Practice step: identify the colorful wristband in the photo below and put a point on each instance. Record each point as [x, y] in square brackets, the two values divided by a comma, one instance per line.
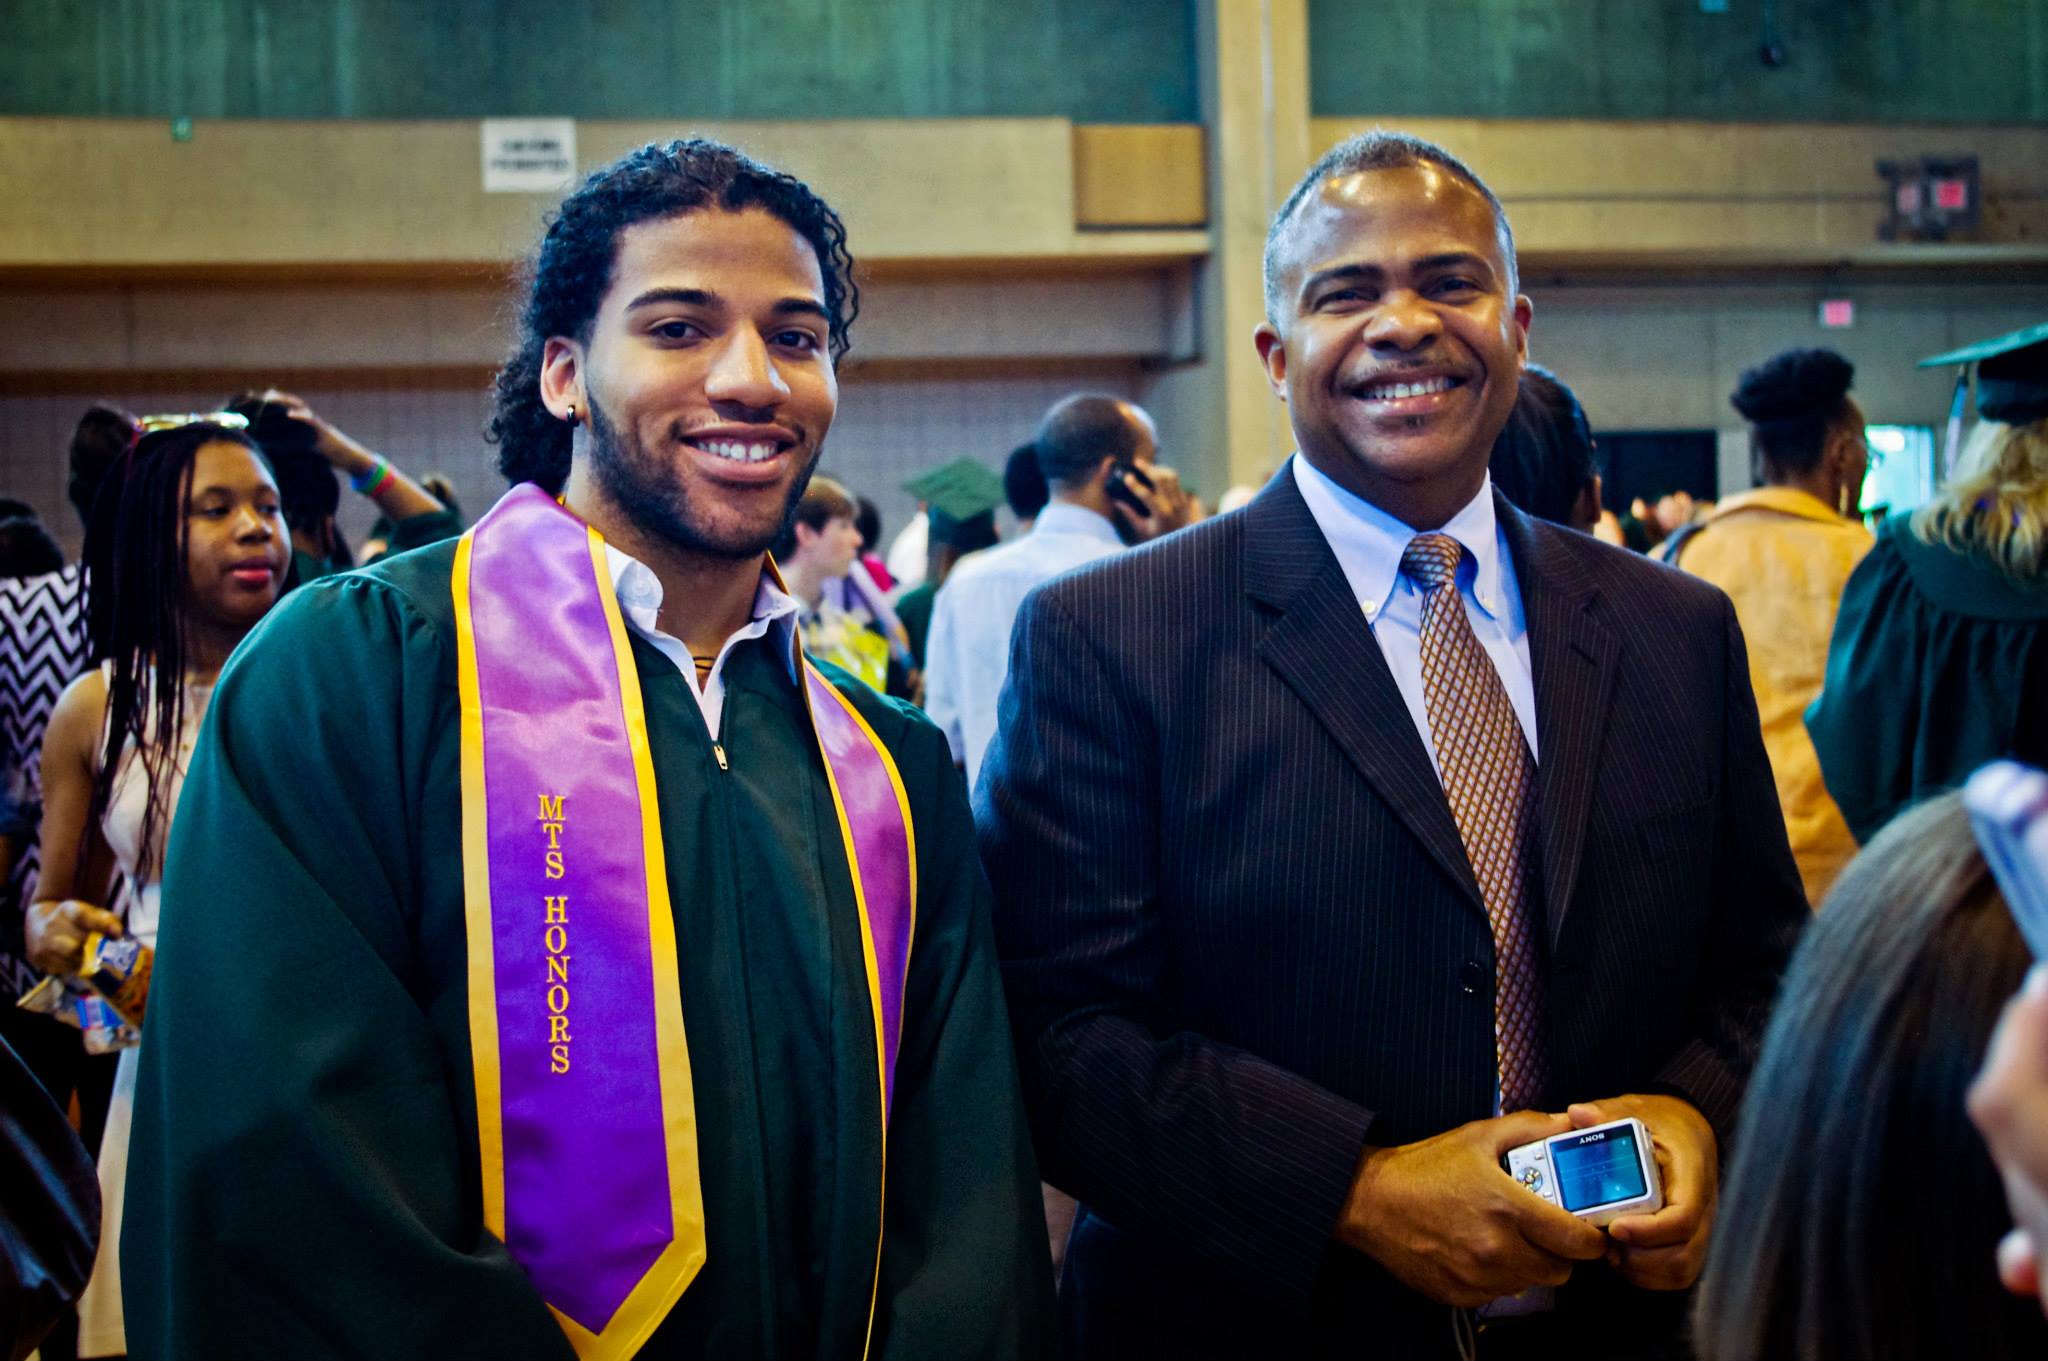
[372, 477]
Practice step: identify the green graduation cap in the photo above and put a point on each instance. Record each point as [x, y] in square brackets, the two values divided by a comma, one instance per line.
[962, 497]
[2012, 374]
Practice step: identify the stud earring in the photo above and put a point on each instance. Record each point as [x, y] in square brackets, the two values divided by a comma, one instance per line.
[573, 422]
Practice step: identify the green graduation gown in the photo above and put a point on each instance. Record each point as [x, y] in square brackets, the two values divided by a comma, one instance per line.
[414, 531]
[1939, 663]
[304, 1175]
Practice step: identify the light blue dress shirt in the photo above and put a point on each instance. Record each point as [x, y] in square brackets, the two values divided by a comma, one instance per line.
[1369, 542]
[967, 654]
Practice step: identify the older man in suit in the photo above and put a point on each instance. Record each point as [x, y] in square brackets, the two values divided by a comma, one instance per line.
[1439, 830]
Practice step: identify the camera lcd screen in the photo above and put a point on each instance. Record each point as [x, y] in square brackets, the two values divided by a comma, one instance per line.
[1597, 1169]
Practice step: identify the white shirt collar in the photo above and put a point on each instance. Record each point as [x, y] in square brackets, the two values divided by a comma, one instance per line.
[1368, 542]
[639, 593]
[1063, 517]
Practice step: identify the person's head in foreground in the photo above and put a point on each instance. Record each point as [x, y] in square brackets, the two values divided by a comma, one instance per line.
[1395, 327]
[1543, 461]
[1805, 430]
[674, 374]
[1862, 1210]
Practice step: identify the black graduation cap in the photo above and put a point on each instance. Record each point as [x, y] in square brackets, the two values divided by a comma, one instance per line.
[2012, 374]
[961, 497]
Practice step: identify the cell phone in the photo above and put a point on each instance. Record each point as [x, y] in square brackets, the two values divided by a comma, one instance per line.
[2008, 807]
[1122, 494]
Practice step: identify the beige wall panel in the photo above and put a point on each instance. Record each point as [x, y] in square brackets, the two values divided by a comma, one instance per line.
[1124, 317]
[1537, 157]
[1630, 368]
[911, 188]
[1579, 187]
[317, 328]
[1140, 176]
[1650, 358]
[468, 325]
[85, 328]
[120, 192]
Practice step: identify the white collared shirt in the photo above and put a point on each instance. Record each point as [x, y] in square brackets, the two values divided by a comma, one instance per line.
[639, 593]
[967, 655]
[1368, 544]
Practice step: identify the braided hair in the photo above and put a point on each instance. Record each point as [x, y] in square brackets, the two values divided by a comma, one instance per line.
[135, 550]
[572, 271]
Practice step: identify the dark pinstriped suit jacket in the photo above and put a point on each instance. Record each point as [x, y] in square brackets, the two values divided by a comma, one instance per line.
[1241, 938]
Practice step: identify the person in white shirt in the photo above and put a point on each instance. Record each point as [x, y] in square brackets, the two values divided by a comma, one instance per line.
[1097, 455]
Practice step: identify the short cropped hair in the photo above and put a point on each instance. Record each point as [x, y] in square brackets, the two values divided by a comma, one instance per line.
[1543, 461]
[1024, 483]
[1078, 433]
[1376, 150]
[1791, 401]
[823, 501]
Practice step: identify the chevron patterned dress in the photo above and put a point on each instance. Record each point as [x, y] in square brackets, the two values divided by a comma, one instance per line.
[42, 649]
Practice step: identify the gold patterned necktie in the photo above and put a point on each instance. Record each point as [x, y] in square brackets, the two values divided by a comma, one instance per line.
[1490, 782]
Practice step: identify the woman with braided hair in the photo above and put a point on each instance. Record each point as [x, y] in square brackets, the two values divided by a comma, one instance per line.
[186, 550]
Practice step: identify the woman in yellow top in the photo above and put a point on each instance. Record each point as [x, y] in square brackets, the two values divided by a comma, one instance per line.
[1783, 553]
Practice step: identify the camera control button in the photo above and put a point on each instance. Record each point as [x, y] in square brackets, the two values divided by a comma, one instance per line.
[1471, 976]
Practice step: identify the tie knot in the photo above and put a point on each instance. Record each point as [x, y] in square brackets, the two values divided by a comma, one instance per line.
[1431, 560]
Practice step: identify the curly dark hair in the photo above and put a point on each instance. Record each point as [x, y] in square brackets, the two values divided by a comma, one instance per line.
[1791, 401]
[572, 270]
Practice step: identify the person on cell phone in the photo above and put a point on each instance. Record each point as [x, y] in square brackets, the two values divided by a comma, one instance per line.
[1097, 453]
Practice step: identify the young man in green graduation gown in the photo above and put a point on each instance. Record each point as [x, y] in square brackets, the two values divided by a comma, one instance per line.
[553, 961]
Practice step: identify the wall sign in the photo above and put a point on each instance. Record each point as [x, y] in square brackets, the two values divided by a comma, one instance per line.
[528, 155]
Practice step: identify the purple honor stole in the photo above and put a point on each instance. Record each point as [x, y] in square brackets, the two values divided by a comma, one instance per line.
[586, 1124]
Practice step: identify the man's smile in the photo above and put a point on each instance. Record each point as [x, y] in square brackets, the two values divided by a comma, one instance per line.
[745, 453]
[1407, 394]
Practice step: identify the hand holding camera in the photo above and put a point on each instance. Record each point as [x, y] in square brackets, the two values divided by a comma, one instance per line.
[1663, 1248]
[1440, 1215]
[1601, 1173]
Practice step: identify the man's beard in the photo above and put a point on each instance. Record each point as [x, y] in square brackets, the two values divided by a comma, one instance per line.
[652, 497]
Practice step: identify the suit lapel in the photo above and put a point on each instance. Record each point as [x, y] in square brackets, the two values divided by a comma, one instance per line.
[1320, 645]
[1574, 657]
